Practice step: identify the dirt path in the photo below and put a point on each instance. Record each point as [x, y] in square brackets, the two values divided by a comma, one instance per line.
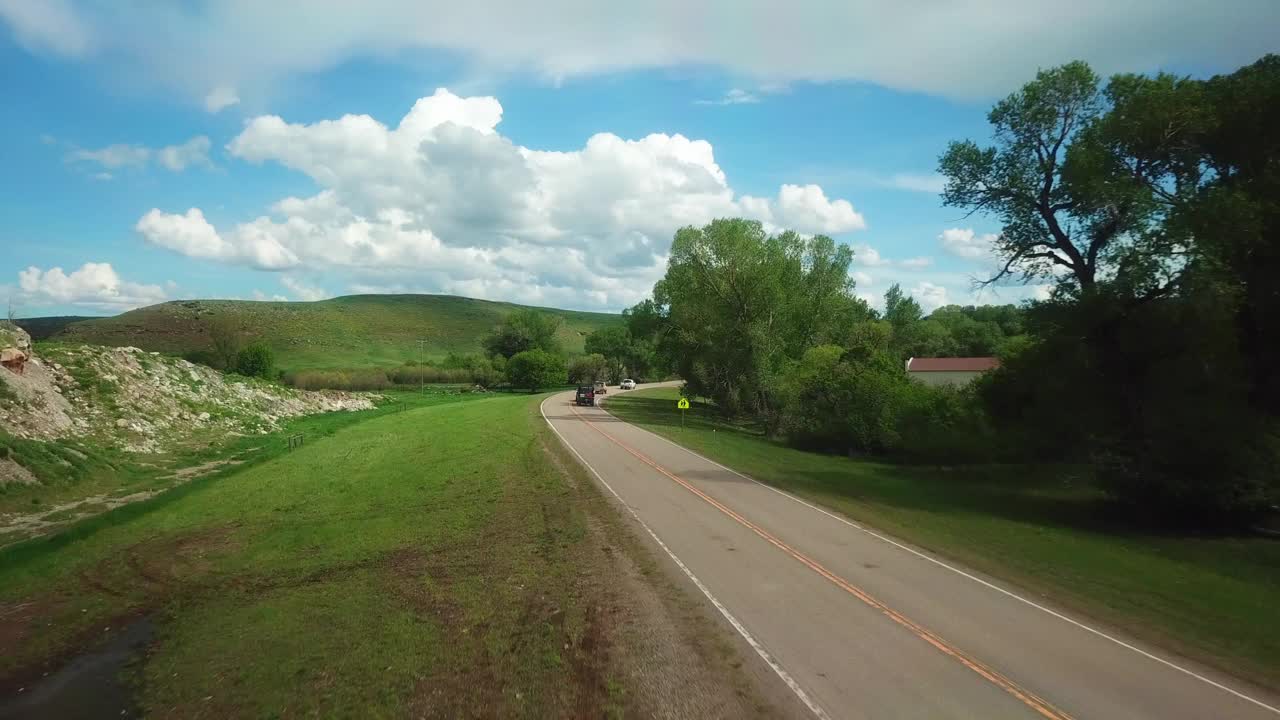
[21, 526]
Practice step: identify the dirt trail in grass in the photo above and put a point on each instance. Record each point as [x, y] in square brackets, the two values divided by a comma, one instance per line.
[20, 526]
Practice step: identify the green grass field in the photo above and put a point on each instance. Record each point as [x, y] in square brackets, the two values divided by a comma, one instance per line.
[345, 332]
[72, 469]
[1213, 598]
[393, 567]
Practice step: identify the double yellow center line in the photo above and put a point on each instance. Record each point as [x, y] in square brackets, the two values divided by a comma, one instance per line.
[1027, 697]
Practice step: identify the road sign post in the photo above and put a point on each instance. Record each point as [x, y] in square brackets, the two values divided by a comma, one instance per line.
[683, 404]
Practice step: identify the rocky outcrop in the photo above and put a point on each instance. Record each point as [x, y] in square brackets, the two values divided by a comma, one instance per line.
[146, 402]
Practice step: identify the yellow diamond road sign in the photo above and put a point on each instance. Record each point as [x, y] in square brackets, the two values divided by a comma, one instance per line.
[683, 404]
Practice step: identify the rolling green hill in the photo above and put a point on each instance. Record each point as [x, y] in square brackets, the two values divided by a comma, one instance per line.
[43, 328]
[345, 332]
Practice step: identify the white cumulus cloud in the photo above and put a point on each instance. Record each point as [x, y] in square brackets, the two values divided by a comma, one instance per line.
[444, 201]
[93, 285]
[965, 243]
[807, 208]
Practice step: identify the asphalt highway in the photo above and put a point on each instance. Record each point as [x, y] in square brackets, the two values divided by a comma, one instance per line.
[856, 624]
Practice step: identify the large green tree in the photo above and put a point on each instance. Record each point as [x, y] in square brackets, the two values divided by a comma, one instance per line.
[741, 302]
[524, 330]
[1065, 215]
[1152, 203]
[614, 345]
[588, 368]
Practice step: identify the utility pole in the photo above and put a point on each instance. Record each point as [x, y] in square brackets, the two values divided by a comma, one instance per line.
[422, 369]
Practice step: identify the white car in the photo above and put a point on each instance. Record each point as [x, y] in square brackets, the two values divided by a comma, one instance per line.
[628, 384]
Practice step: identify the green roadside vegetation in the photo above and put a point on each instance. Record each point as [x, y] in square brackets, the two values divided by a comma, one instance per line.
[1044, 528]
[389, 570]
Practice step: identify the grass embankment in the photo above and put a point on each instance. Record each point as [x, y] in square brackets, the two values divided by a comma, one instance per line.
[346, 332]
[79, 477]
[434, 562]
[1215, 598]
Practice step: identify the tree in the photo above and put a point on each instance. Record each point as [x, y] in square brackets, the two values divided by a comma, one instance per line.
[614, 345]
[224, 334]
[741, 303]
[1152, 203]
[524, 330]
[535, 369]
[256, 360]
[648, 324]
[1066, 216]
[588, 368]
[900, 309]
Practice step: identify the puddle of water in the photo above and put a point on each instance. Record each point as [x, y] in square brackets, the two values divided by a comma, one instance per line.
[90, 686]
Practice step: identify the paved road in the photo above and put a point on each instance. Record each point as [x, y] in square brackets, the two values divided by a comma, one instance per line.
[860, 626]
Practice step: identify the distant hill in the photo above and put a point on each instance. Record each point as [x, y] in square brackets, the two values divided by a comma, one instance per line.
[45, 327]
[344, 332]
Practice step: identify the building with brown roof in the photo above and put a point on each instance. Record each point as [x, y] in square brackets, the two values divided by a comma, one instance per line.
[956, 371]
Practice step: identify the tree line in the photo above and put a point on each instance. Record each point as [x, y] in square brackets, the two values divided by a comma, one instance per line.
[1151, 205]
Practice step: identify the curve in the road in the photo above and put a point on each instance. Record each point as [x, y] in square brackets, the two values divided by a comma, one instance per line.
[1112, 686]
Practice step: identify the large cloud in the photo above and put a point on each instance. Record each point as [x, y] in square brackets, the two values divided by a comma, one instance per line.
[444, 199]
[93, 285]
[958, 48]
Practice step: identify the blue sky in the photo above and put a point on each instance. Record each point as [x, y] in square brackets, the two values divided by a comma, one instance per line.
[200, 149]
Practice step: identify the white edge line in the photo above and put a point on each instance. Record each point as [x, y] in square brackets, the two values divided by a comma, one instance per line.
[962, 573]
[746, 635]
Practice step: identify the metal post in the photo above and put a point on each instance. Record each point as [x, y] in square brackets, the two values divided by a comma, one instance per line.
[422, 369]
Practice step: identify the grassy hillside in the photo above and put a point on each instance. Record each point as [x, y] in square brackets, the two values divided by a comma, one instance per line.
[344, 332]
[42, 328]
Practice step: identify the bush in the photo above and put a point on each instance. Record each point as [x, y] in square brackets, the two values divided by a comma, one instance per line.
[946, 425]
[204, 357]
[369, 379]
[256, 360]
[841, 400]
[415, 375]
[535, 369]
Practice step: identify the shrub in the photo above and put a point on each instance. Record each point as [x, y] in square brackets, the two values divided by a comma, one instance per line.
[842, 400]
[414, 375]
[204, 357]
[535, 369]
[946, 425]
[256, 360]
